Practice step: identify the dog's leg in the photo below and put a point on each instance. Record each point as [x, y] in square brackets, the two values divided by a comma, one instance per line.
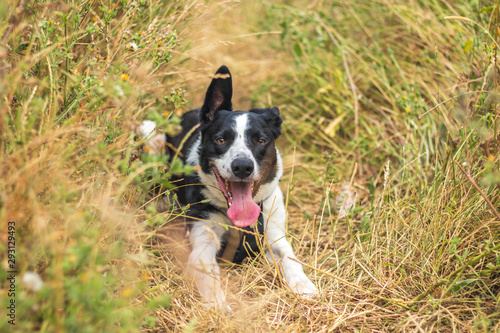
[202, 264]
[274, 216]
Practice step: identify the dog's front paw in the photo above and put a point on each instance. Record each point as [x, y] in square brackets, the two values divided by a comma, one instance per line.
[302, 285]
[219, 306]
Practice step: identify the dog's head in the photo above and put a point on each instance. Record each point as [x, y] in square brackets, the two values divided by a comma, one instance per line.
[237, 148]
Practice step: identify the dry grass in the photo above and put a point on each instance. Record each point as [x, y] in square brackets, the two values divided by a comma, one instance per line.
[388, 100]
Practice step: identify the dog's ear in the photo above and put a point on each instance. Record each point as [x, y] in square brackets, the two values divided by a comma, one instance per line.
[218, 95]
[271, 117]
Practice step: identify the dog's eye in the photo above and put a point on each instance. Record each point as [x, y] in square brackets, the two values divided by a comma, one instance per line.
[220, 141]
[261, 141]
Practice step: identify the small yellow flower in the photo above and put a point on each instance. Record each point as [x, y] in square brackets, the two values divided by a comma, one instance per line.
[84, 277]
[109, 11]
[115, 5]
[166, 113]
[94, 19]
[408, 110]
[124, 77]
[159, 43]
[403, 96]
[491, 158]
[50, 22]
[126, 292]
[140, 32]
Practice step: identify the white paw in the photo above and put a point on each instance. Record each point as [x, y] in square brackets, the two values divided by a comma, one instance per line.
[219, 306]
[302, 285]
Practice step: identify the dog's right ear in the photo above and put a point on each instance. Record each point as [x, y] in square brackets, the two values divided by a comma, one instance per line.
[218, 95]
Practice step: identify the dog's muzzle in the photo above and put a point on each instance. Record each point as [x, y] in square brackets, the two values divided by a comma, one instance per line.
[242, 210]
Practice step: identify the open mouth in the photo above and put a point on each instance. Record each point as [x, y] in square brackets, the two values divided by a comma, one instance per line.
[243, 211]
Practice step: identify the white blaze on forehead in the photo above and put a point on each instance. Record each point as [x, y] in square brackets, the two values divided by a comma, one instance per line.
[239, 149]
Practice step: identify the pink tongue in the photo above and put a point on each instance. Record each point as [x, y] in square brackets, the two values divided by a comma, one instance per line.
[243, 210]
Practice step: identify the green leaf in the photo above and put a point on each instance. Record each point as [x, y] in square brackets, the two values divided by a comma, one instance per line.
[163, 301]
[466, 282]
[150, 321]
[486, 9]
[297, 50]
[468, 46]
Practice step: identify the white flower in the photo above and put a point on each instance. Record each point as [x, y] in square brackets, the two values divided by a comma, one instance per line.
[133, 45]
[32, 281]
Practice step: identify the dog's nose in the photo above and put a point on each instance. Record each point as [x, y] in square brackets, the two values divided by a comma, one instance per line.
[242, 167]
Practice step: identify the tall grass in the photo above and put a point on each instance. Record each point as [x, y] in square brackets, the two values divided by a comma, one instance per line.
[405, 97]
[76, 79]
[389, 104]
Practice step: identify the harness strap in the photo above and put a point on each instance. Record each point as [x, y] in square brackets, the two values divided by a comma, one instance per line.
[232, 245]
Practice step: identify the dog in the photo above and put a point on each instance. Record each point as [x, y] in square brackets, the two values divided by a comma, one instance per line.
[235, 186]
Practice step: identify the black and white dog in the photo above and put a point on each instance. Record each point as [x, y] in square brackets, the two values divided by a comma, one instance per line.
[239, 168]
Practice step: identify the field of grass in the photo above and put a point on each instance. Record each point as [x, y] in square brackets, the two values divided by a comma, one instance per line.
[390, 116]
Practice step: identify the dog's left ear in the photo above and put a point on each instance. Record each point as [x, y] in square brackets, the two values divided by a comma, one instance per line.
[272, 117]
[218, 96]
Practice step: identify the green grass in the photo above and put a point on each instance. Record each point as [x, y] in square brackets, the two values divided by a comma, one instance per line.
[392, 103]
[73, 91]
